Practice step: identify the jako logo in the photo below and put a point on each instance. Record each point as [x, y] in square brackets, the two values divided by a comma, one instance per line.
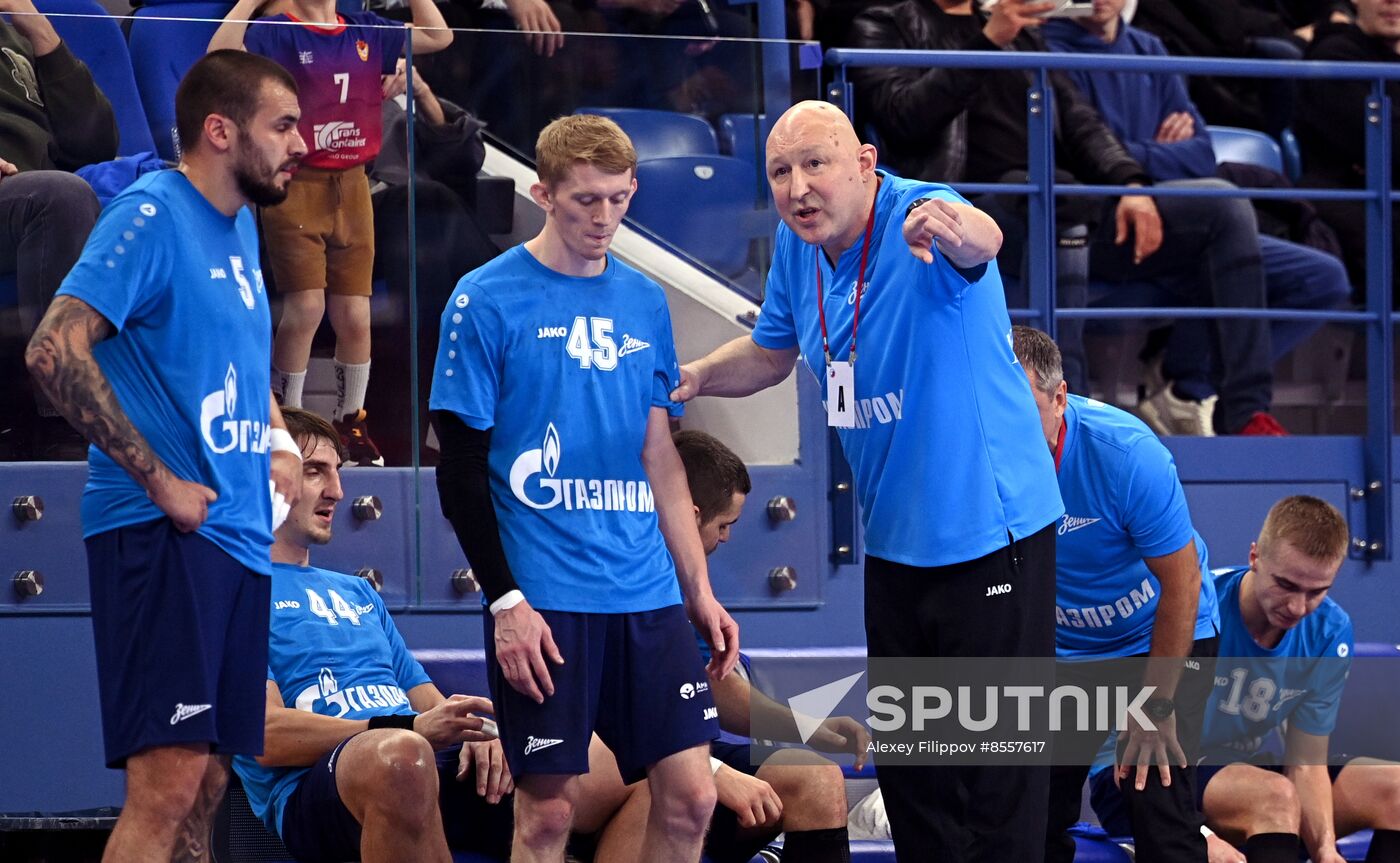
[245, 435]
[711, 713]
[552, 332]
[337, 135]
[614, 495]
[286, 603]
[999, 589]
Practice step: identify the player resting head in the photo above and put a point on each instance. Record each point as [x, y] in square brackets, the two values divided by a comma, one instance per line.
[719, 484]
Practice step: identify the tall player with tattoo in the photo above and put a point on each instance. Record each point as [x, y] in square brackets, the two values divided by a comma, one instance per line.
[156, 349]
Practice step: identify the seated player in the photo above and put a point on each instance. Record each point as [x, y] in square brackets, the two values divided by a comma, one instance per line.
[793, 791]
[402, 773]
[1285, 649]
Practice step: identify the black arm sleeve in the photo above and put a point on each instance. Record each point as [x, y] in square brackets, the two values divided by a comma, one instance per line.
[464, 489]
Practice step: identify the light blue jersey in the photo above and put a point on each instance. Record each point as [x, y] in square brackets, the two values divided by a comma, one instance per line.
[332, 650]
[565, 371]
[1123, 503]
[182, 285]
[1256, 688]
[945, 452]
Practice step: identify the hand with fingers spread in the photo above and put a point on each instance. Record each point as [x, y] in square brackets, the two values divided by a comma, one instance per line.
[523, 641]
[1009, 17]
[1176, 127]
[1144, 749]
[535, 18]
[1137, 217]
[491, 773]
[454, 721]
[751, 799]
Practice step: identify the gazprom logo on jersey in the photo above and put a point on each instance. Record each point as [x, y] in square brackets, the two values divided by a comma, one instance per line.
[222, 431]
[535, 483]
[338, 135]
[339, 702]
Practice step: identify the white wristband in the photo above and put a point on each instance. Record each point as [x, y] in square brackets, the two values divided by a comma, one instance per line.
[1206, 831]
[280, 440]
[715, 765]
[510, 599]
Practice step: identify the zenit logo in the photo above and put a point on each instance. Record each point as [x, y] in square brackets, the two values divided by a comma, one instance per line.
[221, 430]
[535, 482]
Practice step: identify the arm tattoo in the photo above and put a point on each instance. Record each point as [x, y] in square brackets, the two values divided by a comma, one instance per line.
[60, 359]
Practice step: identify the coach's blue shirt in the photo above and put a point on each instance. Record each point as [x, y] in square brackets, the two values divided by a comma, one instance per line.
[565, 371]
[332, 650]
[182, 285]
[1123, 503]
[1256, 688]
[947, 452]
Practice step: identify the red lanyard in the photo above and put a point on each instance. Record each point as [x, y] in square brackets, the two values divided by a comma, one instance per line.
[860, 289]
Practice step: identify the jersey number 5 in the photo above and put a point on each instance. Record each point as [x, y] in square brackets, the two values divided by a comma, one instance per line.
[601, 351]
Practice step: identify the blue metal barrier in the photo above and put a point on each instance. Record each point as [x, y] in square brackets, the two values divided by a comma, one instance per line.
[1377, 490]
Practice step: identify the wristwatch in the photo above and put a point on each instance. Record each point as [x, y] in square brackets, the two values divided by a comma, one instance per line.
[1158, 708]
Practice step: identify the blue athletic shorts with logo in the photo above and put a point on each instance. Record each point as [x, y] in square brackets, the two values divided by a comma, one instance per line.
[636, 679]
[317, 828]
[181, 634]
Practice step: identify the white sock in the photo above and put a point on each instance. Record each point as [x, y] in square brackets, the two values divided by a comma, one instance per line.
[351, 383]
[289, 386]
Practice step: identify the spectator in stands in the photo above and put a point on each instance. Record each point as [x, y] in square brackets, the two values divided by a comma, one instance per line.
[53, 120]
[1285, 652]
[321, 240]
[156, 350]
[1331, 122]
[1127, 532]
[450, 232]
[964, 125]
[941, 527]
[554, 362]
[793, 791]
[364, 758]
[1161, 128]
[501, 50]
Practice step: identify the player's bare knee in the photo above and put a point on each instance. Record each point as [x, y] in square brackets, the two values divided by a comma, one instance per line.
[813, 795]
[1277, 809]
[544, 822]
[685, 808]
[399, 771]
[167, 793]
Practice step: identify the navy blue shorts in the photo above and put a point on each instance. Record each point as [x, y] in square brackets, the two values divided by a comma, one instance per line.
[317, 828]
[181, 635]
[636, 679]
[1112, 809]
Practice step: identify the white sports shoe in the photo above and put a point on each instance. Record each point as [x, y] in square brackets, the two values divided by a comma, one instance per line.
[1168, 415]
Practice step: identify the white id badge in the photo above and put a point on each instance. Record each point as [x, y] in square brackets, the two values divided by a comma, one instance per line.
[840, 395]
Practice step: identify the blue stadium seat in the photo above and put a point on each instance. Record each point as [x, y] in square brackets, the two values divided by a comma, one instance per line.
[1366, 720]
[702, 205]
[657, 134]
[162, 51]
[99, 43]
[1246, 146]
[744, 136]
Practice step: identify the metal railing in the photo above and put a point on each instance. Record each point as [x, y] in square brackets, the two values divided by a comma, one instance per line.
[1378, 480]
